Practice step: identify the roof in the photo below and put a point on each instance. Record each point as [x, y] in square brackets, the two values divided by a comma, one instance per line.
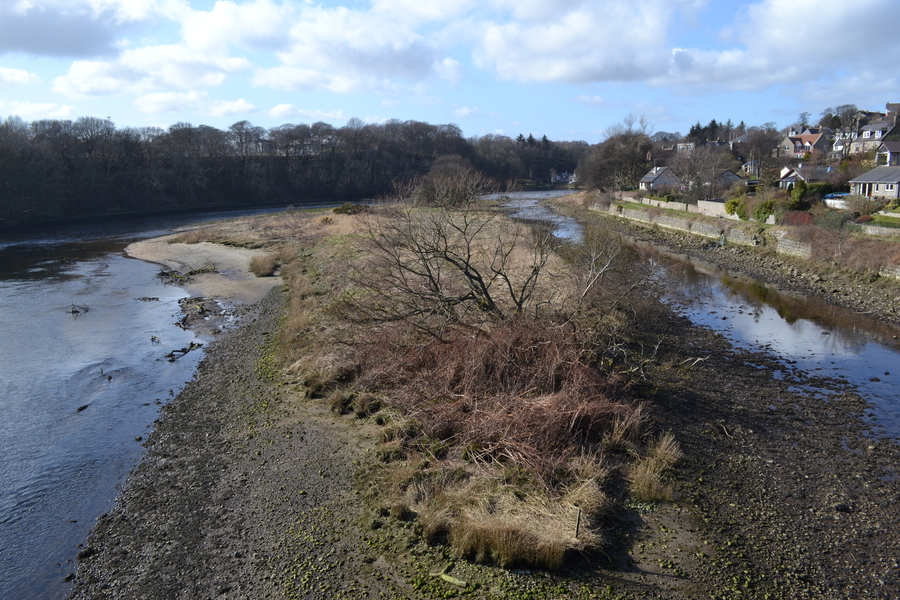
[807, 174]
[654, 174]
[890, 146]
[880, 126]
[879, 175]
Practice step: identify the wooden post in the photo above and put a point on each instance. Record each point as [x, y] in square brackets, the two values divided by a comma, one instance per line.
[578, 524]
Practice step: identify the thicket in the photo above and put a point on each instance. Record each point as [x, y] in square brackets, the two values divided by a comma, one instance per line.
[51, 169]
[493, 357]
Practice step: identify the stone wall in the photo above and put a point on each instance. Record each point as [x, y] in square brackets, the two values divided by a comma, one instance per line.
[701, 228]
[881, 231]
[790, 247]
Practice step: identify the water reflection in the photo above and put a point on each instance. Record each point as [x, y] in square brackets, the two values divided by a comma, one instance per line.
[854, 352]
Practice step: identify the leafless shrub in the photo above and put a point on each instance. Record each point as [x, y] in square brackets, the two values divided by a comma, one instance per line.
[864, 205]
[264, 265]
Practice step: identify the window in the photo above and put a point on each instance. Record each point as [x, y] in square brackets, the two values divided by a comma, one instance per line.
[867, 134]
[889, 186]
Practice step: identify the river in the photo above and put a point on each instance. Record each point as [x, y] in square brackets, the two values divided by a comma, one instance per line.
[854, 352]
[79, 391]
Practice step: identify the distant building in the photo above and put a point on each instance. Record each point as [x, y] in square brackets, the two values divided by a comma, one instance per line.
[880, 182]
[657, 178]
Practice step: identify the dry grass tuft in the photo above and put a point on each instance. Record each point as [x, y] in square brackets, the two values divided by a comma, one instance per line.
[488, 522]
[264, 265]
[647, 475]
[322, 373]
[194, 236]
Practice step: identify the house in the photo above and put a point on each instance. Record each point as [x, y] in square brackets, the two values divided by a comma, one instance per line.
[797, 146]
[795, 130]
[726, 178]
[751, 167]
[871, 136]
[657, 178]
[791, 175]
[888, 154]
[880, 182]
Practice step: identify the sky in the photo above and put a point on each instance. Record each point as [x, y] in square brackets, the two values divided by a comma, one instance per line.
[567, 69]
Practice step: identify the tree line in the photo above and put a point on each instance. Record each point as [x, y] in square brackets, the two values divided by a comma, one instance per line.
[52, 169]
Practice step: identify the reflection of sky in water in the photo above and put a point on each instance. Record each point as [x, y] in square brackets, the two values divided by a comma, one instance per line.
[817, 343]
[808, 335]
[526, 205]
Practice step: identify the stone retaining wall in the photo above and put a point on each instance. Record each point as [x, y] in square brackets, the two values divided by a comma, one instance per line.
[701, 228]
[881, 231]
[709, 208]
[794, 248]
[737, 236]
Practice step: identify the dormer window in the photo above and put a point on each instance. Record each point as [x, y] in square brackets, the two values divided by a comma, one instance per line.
[867, 134]
[878, 133]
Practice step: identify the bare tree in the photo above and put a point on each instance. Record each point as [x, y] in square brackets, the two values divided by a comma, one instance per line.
[450, 260]
[699, 172]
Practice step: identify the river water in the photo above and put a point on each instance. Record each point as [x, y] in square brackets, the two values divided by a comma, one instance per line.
[78, 392]
[855, 352]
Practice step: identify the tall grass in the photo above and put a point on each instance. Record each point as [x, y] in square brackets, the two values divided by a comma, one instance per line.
[647, 475]
[496, 436]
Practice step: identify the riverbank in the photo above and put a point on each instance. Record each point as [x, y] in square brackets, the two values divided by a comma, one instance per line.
[247, 492]
[864, 293]
[223, 284]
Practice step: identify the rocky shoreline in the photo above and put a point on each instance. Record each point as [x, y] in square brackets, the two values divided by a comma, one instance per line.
[247, 489]
[862, 293]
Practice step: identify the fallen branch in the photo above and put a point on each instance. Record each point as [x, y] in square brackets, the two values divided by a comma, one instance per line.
[77, 309]
[176, 354]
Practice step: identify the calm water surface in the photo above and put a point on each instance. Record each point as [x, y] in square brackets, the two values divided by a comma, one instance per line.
[857, 353]
[77, 391]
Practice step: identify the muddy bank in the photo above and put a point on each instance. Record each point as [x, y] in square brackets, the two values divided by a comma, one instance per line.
[864, 293]
[244, 492]
[247, 491]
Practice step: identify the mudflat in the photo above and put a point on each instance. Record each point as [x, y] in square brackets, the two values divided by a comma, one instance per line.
[247, 488]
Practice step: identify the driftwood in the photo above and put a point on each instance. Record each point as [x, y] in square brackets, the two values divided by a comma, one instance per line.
[176, 354]
[77, 309]
[179, 277]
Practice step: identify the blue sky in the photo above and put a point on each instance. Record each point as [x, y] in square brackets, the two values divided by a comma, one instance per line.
[567, 69]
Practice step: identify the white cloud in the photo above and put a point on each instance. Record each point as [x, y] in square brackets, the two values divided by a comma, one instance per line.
[576, 41]
[775, 42]
[258, 24]
[17, 76]
[165, 102]
[221, 108]
[287, 111]
[32, 110]
[191, 102]
[414, 11]
[345, 51]
[449, 70]
[145, 69]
